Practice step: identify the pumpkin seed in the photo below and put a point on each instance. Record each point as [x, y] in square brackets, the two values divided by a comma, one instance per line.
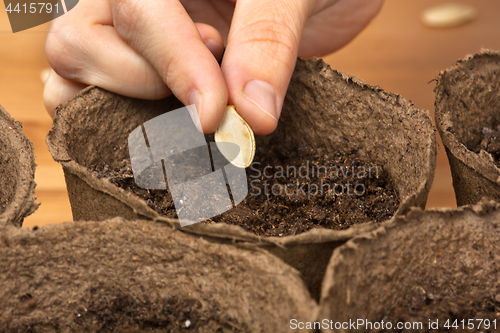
[235, 129]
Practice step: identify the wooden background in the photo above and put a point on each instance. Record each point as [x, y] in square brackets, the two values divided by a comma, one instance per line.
[395, 52]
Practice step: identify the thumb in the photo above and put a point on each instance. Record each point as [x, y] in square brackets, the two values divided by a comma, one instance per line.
[260, 57]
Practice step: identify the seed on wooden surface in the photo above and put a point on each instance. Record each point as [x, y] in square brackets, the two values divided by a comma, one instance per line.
[235, 129]
[448, 15]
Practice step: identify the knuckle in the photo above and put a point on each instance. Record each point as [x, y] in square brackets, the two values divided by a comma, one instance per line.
[272, 38]
[125, 16]
[170, 67]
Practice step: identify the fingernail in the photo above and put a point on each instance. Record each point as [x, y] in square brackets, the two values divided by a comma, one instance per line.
[263, 96]
[215, 47]
[194, 108]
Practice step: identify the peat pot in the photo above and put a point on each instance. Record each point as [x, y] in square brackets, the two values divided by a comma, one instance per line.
[468, 112]
[429, 271]
[17, 173]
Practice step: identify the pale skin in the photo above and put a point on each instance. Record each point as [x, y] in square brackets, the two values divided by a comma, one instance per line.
[151, 49]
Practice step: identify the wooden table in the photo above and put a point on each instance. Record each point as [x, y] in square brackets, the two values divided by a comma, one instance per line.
[401, 55]
[396, 52]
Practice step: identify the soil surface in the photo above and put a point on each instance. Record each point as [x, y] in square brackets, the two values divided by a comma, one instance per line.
[292, 194]
[490, 143]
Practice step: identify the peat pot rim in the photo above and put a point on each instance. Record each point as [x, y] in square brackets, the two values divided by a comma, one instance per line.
[483, 207]
[444, 123]
[23, 203]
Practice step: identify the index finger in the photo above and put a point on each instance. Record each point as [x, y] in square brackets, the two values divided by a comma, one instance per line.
[164, 34]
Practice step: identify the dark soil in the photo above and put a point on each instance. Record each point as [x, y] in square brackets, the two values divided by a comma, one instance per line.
[297, 192]
[490, 143]
[453, 314]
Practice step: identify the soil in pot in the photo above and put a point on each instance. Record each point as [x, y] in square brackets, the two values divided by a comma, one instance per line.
[293, 193]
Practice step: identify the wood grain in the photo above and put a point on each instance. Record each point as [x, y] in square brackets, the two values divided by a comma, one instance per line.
[396, 52]
[400, 54]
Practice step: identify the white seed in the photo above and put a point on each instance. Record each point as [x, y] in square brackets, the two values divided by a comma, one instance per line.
[235, 129]
[448, 15]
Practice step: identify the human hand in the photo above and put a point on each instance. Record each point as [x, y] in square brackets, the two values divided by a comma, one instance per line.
[150, 49]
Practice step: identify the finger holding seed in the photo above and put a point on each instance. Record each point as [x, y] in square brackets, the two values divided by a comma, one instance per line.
[234, 129]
